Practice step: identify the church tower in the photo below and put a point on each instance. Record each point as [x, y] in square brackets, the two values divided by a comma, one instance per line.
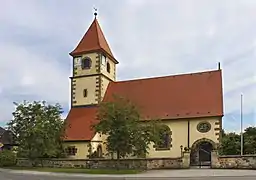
[94, 66]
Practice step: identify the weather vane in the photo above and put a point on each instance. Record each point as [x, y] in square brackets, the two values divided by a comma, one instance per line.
[95, 12]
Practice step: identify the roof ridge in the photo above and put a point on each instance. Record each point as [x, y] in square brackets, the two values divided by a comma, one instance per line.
[167, 76]
[93, 40]
[97, 32]
[103, 41]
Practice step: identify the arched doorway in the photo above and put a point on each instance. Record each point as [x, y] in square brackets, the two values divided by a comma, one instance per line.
[201, 152]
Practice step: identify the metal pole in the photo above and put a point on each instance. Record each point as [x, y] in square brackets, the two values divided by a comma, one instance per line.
[242, 144]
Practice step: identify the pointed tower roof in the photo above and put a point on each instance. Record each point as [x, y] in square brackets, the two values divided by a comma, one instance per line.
[93, 40]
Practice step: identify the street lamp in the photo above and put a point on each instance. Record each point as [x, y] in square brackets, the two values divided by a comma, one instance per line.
[181, 148]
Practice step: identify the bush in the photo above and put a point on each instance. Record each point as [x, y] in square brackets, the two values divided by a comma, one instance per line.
[7, 158]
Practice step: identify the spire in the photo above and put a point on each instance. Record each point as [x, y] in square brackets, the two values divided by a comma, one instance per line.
[95, 13]
[93, 40]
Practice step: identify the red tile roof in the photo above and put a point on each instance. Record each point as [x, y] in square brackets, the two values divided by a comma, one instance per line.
[79, 122]
[93, 40]
[170, 97]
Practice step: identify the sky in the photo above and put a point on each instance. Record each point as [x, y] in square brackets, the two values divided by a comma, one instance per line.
[170, 36]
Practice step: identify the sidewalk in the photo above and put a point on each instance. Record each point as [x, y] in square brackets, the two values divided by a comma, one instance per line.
[154, 173]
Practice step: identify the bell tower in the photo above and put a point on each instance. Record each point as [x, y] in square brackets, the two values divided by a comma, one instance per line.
[94, 66]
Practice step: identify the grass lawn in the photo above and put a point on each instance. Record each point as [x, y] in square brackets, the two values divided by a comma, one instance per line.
[78, 170]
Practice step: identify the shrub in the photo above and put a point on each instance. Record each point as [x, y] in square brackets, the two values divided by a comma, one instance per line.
[7, 158]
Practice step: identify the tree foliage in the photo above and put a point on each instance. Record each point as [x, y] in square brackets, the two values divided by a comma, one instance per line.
[38, 129]
[7, 158]
[126, 135]
[231, 142]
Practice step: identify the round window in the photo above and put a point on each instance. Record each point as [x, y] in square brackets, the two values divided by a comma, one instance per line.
[204, 127]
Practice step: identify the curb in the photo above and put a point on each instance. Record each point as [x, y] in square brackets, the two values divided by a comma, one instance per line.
[120, 176]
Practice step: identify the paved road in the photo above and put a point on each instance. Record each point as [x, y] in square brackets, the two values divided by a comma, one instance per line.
[151, 175]
[9, 176]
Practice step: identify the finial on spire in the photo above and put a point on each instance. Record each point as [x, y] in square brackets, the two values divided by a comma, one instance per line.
[95, 12]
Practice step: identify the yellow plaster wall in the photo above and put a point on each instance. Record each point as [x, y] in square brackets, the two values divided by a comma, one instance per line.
[78, 71]
[104, 85]
[96, 137]
[97, 140]
[179, 136]
[213, 134]
[92, 79]
[112, 74]
[82, 149]
[79, 85]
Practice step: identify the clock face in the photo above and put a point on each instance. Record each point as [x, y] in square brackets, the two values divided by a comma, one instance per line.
[104, 60]
[78, 61]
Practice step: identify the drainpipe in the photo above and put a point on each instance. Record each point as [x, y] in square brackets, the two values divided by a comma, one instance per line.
[188, 134]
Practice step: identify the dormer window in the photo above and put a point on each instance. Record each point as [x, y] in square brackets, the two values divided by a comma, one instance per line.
[86, 63]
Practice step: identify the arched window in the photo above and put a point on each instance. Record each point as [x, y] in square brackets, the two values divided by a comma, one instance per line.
[165, 139]
[99, 151]
[86, 63]
[108, 67]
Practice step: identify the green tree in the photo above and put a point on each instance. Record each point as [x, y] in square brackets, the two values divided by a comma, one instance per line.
[231, 142]
[7, 158]
[126, 135]
[250, 131]
[250, 140]
[38, 129]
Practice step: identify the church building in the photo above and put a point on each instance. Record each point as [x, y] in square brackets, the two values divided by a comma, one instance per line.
[190, 105]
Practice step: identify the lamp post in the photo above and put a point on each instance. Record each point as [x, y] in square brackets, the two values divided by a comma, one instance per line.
[181, 148]
[242, 139]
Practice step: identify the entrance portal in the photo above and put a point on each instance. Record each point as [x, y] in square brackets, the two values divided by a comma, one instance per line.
[201, 153]
[205, 150]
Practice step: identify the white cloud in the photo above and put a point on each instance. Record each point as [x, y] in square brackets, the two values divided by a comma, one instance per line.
[149, 38]
[137, 2]
[25, 73]
[193, 36]
[27, 80]
[211, 31]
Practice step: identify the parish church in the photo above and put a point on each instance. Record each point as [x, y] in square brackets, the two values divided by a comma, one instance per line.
[190, 105]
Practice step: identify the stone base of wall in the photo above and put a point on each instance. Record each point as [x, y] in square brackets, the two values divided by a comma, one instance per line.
[233, 161]
[144, 164]
[164, 163]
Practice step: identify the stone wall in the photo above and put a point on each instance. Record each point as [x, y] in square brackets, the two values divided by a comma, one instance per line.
[233, 161]
[152, 163]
